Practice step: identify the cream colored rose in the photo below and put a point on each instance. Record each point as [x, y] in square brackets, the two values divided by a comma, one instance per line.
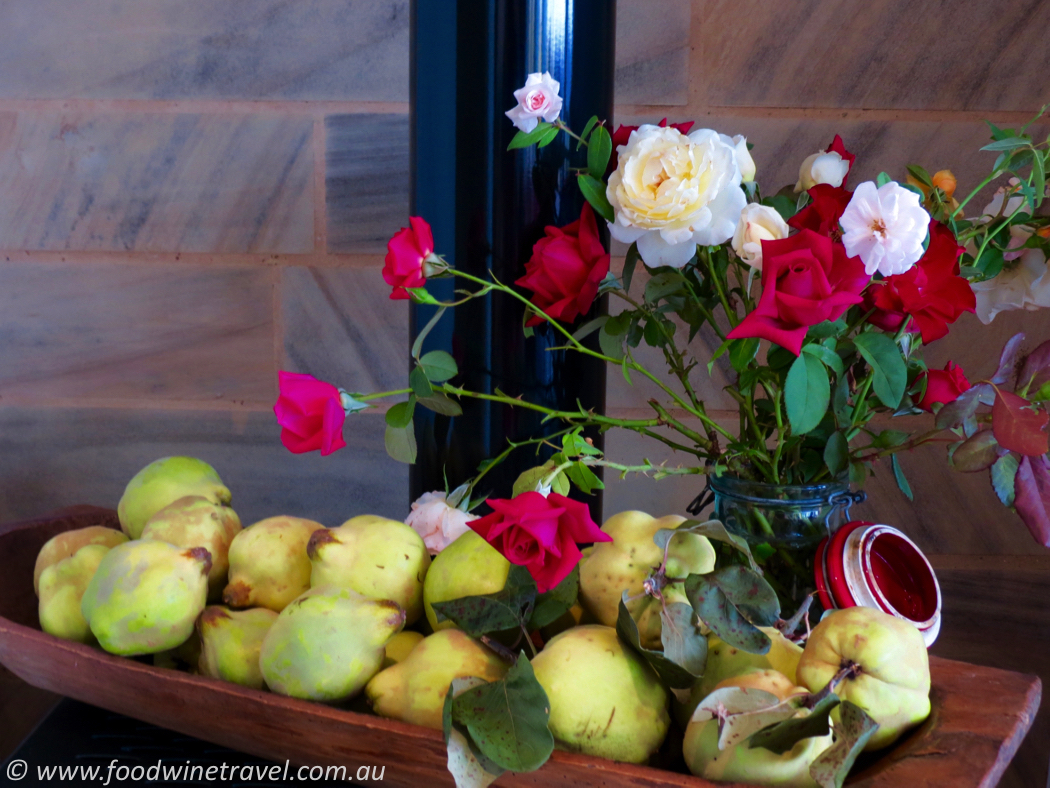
[438, 523]
[758, 223]
[671, 192]
[743, 159]
[823, 167]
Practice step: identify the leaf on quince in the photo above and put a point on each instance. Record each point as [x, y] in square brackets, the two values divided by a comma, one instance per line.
[784, 735]
[852, 732]
[400, 443]
[555, 603]
[468, 767]
[734, 601]
[507, 719]
[742, 712]
[670, 673]
[683, 642]
[712, 529]
[486, 614]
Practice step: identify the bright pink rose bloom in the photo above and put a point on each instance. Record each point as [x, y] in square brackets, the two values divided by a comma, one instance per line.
[310, 413]
[566, 267]
[405, 253]
[943, 385]
[540, 533]
[806, 279]
[822, 215]
[623, 134]
[931, 291]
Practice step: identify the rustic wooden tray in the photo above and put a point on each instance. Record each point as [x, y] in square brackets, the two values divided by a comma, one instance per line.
[980, 715]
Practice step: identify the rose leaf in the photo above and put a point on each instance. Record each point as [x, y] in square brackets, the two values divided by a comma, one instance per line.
[851, 734]
[1004, 473]
[670, 673]
[1032, 499]
[887, 364]
[683, 642]
[807, 392]
[485, 614]
[1018, 426]
[784, 735]
[728, 598]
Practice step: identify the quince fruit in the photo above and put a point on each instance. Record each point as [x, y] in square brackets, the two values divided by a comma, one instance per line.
[469, 566]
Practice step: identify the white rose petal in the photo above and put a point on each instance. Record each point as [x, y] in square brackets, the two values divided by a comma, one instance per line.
[823, 167]
[885, 227]
[758, 223]
[743, 159]
[1022, 285]
[538, 100]
[671, 192]
[438, 523]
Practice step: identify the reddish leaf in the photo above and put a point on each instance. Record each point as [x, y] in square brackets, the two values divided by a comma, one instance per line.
[1032, 500]
[1018, 426]
[977, 453]
[1036, 369]
[1008, 359]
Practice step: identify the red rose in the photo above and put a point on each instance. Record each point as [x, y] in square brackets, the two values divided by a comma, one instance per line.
[806, 279]
[823, 214]
[931, 291]
[310, 413]
[838, 147]
[623, 134]
[943, 385]
[540, 533]
[566, 267]
[405, 254]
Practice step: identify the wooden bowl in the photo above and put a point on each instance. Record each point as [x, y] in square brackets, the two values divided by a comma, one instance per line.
[980, 715]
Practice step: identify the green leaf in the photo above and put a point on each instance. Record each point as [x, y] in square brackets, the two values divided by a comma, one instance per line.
[784, 735]
[527, 480]
[438, 366]
[351, 403]
[469, 768]
[589, 327]
[573, 444]
[417, 379]
[548, 137]
[902, 482]
[584, 478]
[400, 415]
[594, 192]
[508, 719]
[630, 262]
[711, 529]
[401, 443]
[741, 713]
[891, 373]
[439, 403]
[1038, 178]
[1010, 143]
[890, 438]
[920, 174]
[807, 392]
[782, 204]
[555, 603]
[851, 734]
[840, 401]
[421, 296]
[836, 453]
[485, 614]
[611, 345]
[743, 352]
[681, 638]
[914, 190]
[728, 599]
[829, 328]
[959, 410]
[587, 130]
[1004, 472]
[670, 673]
[882, 179]
[524, 140]
[829, 357]
[599, 149]
[663, 285]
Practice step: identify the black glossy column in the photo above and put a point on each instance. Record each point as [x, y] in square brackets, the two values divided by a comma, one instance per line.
[488, 206]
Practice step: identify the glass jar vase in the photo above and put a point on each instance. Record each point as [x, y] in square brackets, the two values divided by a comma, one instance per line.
[783, 525]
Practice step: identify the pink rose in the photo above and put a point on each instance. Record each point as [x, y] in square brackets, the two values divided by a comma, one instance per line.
[538, 100]
[438, 523]
[540, 533]
[943, 385]
[310, 413]
[405, 254]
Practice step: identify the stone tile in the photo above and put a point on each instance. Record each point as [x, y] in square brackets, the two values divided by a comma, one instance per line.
[366, 180]
[223, 49]
[340, 325]
[902, 54]
[156, 182]
[652, 51]
[59, 457]
[116, 331]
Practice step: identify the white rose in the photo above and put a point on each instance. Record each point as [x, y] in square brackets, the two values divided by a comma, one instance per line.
[743, 159]
[671, 192]
[438, 523]
[823, 167]
[885, 227]
[1021, 285]
[758, 223]
[539, 99]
